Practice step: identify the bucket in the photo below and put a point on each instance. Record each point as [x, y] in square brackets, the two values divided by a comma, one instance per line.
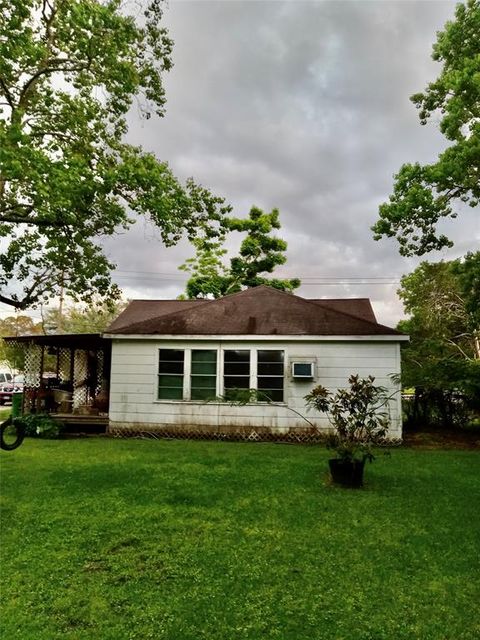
[17, 403]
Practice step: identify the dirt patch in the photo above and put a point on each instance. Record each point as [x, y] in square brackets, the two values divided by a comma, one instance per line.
[442, 439]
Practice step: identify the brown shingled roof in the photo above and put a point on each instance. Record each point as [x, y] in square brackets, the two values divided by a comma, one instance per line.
[360, 307]
[256, 311]
[140, 310]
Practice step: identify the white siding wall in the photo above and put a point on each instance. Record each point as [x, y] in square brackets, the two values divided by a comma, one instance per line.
[134, 378]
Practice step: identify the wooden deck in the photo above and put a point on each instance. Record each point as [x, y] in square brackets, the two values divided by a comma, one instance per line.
[75, 422]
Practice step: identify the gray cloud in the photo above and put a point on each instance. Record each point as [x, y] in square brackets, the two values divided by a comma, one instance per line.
[304, 106]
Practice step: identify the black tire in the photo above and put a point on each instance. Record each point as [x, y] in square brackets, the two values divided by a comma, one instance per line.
[12, 434]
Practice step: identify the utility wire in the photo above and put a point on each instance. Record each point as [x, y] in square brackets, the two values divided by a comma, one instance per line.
[336, 282]
[161, 274]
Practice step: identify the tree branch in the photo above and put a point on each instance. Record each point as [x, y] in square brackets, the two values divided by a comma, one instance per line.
[30, 297]
[453, 343]
[5, 210]
[36, 222]
[17, 304]
[57, 134]
[7, 93]
[47, 70]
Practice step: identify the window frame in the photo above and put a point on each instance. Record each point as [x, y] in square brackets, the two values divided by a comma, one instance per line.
[281, 377]
[216, 351]
[167, 373]
[220, 389]
[248, 377]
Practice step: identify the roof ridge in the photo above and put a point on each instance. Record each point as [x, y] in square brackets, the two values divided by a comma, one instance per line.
[340, 299]
[138, 325]
[142, 303]
[312, 304]
[166, 300]
[165, 315]
[350, 315]
[311, 301]
[344, 313]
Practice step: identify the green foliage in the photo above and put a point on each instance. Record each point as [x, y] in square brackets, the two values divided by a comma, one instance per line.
[18, 325]
[425, 193]
[69, 72]
[242, 541]
[260, 252]
[93, 318]
[39, 425]
[442, 360]
[467, 272]
[359, 416]
[242, 397]
[209, 276]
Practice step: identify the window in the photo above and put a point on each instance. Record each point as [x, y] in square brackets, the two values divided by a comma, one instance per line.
[302, 370]
[192, 374]
[270, 374]
[170, 374]
[236, 370]
[204, 374]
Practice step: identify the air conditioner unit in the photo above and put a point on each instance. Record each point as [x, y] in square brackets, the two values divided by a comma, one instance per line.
[302, 370]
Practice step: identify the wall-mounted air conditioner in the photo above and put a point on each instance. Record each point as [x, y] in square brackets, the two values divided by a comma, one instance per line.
[302, 370]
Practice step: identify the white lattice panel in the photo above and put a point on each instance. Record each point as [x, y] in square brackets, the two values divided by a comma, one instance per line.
[64, 357]
[33, 366]
[80, 372]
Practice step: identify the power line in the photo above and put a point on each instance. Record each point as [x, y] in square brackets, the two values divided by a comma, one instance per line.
[339, 282]
[176, 275]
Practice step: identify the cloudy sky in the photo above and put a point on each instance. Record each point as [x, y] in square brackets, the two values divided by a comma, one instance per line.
[302, 106]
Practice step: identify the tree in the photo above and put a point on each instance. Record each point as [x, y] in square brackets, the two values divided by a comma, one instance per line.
[17, 325]
[69, 72]
[442, 360]
[467, 272]
[423, 194]
[260, 252]
[93, 318]
[436, 297]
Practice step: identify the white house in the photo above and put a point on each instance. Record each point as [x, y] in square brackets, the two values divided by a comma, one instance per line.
[178, 365]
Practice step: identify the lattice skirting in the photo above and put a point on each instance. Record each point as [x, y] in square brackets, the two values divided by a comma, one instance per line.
[234, 434]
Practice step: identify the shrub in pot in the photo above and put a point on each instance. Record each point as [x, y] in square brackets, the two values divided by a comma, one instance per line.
[359, 417]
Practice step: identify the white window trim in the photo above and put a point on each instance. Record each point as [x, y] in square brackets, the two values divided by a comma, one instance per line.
[222, 358]
[253, 368]
[188, 390]
[283, 376]
[157, 374]
[220, 389]
[187, 368]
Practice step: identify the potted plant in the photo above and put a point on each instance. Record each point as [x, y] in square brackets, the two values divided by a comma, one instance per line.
[359, 417]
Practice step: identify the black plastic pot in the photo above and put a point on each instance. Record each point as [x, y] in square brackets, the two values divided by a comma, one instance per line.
[347, 473]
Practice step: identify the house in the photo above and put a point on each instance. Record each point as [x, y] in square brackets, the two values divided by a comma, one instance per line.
[188, 367]
[181, 367]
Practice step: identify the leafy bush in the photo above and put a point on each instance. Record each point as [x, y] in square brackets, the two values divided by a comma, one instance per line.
[40, 425]
[359, 416]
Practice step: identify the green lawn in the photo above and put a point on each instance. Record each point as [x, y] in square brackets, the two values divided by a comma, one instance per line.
[122, 539]
[4, 413]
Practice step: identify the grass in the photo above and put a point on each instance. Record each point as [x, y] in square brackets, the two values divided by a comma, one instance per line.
[4, 413]
[179, 540]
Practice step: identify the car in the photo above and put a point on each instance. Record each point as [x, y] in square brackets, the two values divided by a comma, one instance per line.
[6, 387]
[18, 382]
[9, 385]
[6, 393]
